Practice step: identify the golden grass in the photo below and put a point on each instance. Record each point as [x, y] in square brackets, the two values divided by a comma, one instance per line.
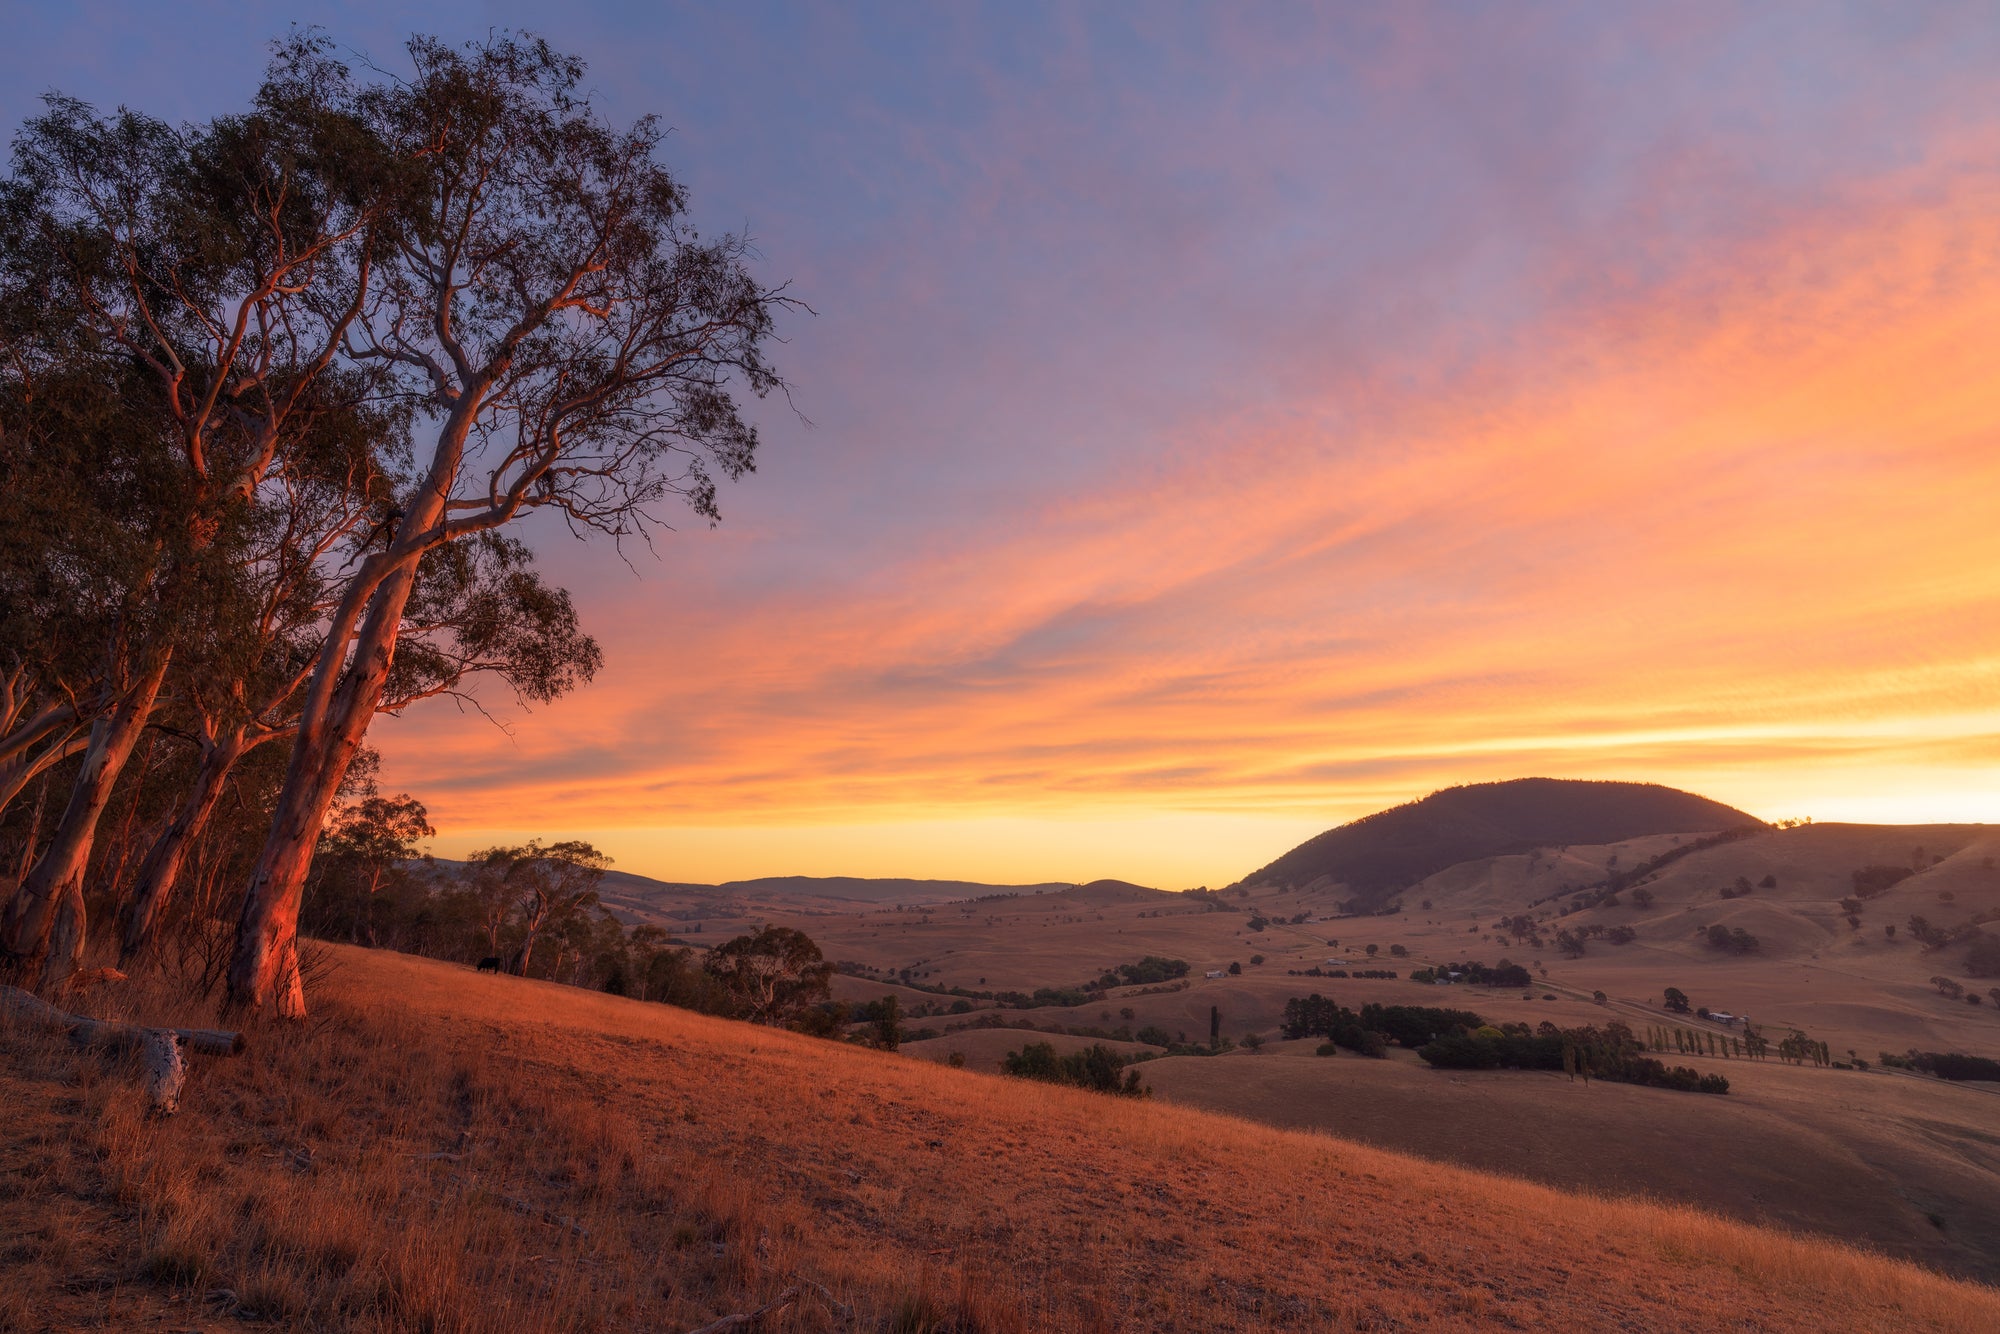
[449, 1152]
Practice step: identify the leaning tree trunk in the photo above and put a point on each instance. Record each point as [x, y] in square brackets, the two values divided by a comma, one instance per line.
[340, 701]
[265, 968]
[519, 965]
[55, 887]
[161, 870]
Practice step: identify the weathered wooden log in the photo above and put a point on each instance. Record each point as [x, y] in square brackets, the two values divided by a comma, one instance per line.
[165, 1070]
[159, 1048]
[108, 1033]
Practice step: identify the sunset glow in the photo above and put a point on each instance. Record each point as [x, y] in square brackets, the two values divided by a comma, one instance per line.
[1210, 433]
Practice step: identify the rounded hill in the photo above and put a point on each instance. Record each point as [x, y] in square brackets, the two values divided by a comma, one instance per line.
[1380, 855]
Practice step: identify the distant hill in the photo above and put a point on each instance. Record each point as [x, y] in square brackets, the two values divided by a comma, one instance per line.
[855, 889]
[1110, 891]
[636, 898]
[1380, 855]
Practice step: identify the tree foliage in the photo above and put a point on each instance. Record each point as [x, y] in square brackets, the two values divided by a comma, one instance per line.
[1096, 1068]
[772, 975]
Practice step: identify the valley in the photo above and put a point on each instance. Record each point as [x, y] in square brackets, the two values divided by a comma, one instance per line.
[1901, 1162]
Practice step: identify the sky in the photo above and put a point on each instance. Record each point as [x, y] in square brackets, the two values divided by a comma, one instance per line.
[1219, 423]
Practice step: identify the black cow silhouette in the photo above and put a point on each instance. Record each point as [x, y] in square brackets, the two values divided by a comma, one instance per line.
[490, 964]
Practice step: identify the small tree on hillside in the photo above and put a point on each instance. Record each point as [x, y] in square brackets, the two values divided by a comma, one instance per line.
[550, 884]
[888, 1022]
[369, 841]
[1676, 1000]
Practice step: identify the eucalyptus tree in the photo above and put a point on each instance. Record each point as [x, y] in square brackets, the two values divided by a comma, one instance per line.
[370, 843]
[575, 345]
[479, 607]
[212, 273]
[773, 975]
[554, 885]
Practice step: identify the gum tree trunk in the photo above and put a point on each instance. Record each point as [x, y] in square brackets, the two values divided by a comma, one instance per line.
[53, 891]
[265, 969]
[340, 701]
[161, 870]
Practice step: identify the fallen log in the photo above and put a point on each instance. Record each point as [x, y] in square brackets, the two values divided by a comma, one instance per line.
[159, 1048]
[110, 1033]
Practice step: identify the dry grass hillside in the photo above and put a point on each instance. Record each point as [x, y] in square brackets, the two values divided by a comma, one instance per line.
[446, 1151]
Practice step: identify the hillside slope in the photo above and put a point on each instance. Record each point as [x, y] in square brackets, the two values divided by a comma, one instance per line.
[1378, 856]
[452, 1151]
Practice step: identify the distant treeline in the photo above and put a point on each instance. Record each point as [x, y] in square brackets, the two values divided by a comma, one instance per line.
[1506, 975]
[1618, 881]
[1461, 1040]
[1149, 971]
[1946, 1064]
[1375, 1025]
[1609, 1054]
[1096, 1068]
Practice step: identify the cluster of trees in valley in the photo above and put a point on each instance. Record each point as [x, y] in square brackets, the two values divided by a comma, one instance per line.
[274, 388]
[1461, 1040]
[1097, 1068]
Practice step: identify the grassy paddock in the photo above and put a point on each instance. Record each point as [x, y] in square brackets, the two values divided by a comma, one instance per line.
[448, 1152]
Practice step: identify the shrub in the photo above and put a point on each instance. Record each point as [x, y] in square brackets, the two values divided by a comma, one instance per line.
[1326, 1049]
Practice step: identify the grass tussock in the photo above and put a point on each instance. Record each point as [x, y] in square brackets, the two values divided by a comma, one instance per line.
[442, 1152]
